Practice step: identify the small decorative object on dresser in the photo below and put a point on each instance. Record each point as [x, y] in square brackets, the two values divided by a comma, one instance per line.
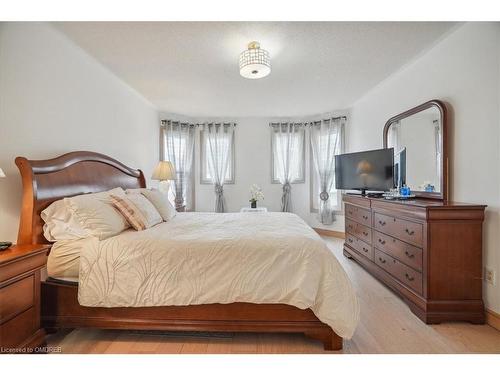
[250, 209]
[20, 330]
[255, 195]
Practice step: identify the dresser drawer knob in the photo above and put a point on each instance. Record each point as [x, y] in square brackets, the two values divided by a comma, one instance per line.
[409, 278]
[365, 249]
[409, 255]
[410, 232]
[381, 222]
[350, 240]
[365, 233]
[381, 260]
[381, 241]
[365, 217]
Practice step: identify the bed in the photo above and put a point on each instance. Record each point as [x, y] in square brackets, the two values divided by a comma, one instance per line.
[304, 306]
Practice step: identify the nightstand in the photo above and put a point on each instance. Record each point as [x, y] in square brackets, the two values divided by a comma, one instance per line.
[250, 209]
[20, 272]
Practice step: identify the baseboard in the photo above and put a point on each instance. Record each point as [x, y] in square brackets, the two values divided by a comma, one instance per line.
[330, 233]
[493, 319]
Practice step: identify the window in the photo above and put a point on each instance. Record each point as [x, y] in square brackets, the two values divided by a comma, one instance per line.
[226, 144]
[334, 194]
[286, 144]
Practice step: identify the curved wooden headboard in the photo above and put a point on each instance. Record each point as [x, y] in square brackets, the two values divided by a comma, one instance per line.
[79, 172]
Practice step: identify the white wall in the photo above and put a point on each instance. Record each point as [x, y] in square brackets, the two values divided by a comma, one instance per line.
[462, 70]
[54, 98]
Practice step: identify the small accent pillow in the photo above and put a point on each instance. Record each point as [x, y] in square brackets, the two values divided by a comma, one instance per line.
[159, 200]
[96, 214]
[138, 211]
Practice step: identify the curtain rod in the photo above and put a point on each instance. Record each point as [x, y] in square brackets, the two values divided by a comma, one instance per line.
[164, 122]
[309, 122]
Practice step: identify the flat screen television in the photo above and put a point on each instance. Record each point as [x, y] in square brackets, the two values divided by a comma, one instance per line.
[365, 171]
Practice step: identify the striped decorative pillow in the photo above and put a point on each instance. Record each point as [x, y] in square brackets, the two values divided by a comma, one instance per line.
[137, 209]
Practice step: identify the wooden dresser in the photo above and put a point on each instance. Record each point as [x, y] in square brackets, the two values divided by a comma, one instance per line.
[20, 268]
[427, 251]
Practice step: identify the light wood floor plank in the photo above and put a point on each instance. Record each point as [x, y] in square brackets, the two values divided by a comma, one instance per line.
[386, 326]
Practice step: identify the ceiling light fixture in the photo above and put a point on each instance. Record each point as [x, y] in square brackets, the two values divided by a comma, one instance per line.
[255, 62]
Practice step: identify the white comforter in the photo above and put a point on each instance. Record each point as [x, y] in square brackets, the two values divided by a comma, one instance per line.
[201, 258]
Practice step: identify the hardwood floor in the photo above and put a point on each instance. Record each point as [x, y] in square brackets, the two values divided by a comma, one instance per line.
[386, 326]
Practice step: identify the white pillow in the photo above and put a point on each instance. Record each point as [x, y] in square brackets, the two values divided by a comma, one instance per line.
[137, 209]
[60, 224]
[97, 216]
[159, 200]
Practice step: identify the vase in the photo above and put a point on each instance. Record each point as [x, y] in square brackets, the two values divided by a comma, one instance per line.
[253, 204]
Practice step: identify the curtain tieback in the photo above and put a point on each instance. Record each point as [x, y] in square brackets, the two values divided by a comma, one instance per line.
[324, 196]
[287, 188]
[219, 189]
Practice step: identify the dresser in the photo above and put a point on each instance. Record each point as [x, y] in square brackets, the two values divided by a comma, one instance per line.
[20, 272]
[429, 252]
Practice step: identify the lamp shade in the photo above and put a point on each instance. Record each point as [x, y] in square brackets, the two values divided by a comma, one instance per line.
[164, 171]
[1, 173]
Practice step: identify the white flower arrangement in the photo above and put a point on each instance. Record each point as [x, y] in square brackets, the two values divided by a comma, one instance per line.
[256, 193]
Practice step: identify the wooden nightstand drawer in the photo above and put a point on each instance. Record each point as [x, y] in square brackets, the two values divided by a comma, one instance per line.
[15, 331]
[17, 267]
[20, 274]
[16, 298]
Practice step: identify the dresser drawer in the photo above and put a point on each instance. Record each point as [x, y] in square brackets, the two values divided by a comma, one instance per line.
[16, 298]
[361, 231]
[361, 247]
[361, 215]
[406, 253]
[403, 273]
[405, 230]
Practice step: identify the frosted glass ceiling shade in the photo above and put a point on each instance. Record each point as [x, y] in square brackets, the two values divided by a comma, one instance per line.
[164, 171]
[1, 173]
[255, 62]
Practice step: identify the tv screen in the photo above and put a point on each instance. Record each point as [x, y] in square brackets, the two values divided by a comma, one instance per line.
[368, 170]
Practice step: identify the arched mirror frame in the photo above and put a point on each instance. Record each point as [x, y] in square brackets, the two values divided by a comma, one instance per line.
[443, 194]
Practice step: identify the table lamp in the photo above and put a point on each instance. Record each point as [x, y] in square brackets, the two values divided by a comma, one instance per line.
[164, 172]
[4, 244]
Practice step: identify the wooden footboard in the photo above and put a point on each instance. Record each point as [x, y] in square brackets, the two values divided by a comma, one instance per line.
[60, 309]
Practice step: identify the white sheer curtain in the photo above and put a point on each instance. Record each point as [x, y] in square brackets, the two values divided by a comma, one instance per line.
[394, 136]
[438, 135]
[325, 137]
[288, 156]
[219, 142]
[177, 146]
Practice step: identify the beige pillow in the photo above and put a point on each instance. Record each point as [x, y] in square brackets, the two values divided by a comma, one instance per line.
[159, 200]
[97, 215]
[138, 211]
[60, 224]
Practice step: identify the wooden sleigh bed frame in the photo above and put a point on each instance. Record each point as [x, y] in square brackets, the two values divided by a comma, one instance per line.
[45, 181]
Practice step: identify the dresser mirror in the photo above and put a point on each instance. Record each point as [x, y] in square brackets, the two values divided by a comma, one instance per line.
[419, 138]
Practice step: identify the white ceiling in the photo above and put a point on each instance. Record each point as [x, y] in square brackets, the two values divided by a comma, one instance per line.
[191, 68]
